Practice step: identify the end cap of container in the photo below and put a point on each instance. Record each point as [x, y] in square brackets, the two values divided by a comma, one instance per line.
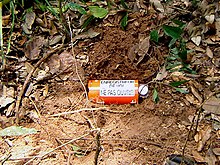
[143, 90]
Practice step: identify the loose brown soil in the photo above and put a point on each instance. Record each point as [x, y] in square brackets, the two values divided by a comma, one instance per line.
[144, 133]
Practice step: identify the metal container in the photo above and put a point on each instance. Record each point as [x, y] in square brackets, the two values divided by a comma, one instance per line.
[113, 91]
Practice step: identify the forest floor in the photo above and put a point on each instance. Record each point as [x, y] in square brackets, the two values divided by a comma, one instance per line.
[72, 130]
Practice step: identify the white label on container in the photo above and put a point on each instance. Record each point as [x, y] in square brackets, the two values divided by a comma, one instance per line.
[117, 88]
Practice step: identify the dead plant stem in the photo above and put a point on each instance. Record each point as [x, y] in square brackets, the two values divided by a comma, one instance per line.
[64, 144]
[76, 66]
[98, 147]
[1, 45]
[127, 140]
[1, 38]
[80, 110]
[197, 114]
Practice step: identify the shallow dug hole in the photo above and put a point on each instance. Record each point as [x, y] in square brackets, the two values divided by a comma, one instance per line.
[139, 134]
[144, 133]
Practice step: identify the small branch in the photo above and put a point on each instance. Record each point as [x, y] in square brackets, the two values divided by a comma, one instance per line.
[98, 147]
[76, 66]
[126, 140]
[197, 113]
[57, 148]
[1, 39]
[80, 110]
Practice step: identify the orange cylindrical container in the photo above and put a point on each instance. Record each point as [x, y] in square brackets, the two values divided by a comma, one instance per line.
[113, 91]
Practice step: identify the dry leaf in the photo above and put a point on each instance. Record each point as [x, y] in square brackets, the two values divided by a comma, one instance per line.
[210, 158]
[83, 58]
[88, 34]
[216, 151]
[191, 99]
[45, 90]
[198, 157]
[217, 26]
[203, 137]
[33, 47]
[212, 79]
[210, 18]
[40, 22]
[53, 63]
[4, 101]
[212, 105]
[41, 75]
[55, 39]
[29, 68]
[131, 53]
[33, 115]
[143, 48]
[157, 4]
[196, 94]
[5, 20]
[25, 29]
[53, 28]
[10, 110]
[209, 52]
[29, 19]
[196, 40]
[162, 74]
[29, 89]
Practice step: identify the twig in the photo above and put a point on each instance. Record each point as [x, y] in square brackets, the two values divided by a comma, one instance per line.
[76, 66]
[19, 98]
[129, 140]
[197, 113]
[5, 158]
[57, 148]
[136, 157]
[80, 110]
[183, 10]
[3, 59]
[1, 38]
[98, 147]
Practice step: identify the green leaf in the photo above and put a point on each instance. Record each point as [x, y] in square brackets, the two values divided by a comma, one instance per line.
[154, 36]
[173, 65]
[172, 31]
[4, 2]
[16, 131]
[98, 12]
[183, 55]
[77, 7]
[175, 51]
[88, 21]
[181, 90]
[187, 69]
[178, 83]
[180, 23]
[51, 9]
[75, 148]
[77, 151]
[155, 96]
[124, 21]
[41, 6]
[172, 42]
[172, 57]
[124, 4]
